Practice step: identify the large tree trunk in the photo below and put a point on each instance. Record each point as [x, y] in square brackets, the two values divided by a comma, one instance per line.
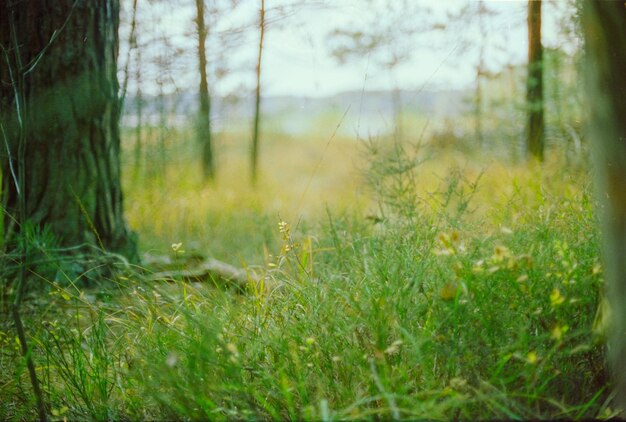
[59, 108]
[204, 115]
[605, 32]
[534, 93]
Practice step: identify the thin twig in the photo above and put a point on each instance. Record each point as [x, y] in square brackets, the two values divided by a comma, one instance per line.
[55, 34]
[132, 44]
[10, 159]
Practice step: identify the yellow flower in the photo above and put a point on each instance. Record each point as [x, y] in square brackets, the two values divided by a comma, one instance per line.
[449, 244]
[448, 291]
[283, 228]
[443, 238]
[60, 411]
[532, 357]
[557, 332]
[556, 298]
[500, 253]
[232, 348]
[597, 269]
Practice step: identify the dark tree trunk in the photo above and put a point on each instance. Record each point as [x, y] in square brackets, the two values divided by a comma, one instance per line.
[534, 93]
[59, 108]
[204, 115]
[605, 32]
[257, 104]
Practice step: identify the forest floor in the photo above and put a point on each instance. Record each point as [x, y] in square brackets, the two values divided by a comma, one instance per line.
[395, 283]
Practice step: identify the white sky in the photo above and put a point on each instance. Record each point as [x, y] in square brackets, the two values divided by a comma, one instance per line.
[297, 60]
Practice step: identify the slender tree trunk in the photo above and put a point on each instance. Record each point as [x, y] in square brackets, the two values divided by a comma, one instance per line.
[396, 101]
[513, 134]
[132, 45]
[132, 42]
[203, 126]
[62, 55]
[257, 107]
[478, 101]
[160, 169]
[534, 87]
[604, 23]
[556, 88]
[138, 152]
[480, 72]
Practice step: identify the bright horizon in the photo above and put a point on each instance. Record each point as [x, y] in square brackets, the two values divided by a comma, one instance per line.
[297, 60]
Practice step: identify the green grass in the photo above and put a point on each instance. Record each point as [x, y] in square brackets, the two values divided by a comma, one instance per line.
[472, 296]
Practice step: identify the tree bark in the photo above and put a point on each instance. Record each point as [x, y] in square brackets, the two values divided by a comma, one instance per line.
[534, 86]
[604, 25]
[59, 108]
[204, 114]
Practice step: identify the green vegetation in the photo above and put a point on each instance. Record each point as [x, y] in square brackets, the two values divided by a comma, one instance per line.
[430, 271]
[463, 292]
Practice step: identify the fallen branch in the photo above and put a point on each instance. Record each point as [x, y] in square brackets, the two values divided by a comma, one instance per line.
[196, 269]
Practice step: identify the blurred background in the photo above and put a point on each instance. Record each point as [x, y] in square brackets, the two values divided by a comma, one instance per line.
[241, 108]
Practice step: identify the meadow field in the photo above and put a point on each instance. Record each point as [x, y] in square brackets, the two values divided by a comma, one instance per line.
[396, 280]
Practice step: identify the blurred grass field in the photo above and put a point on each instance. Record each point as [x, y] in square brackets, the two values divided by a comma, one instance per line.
[303, 177]
[229, 218]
